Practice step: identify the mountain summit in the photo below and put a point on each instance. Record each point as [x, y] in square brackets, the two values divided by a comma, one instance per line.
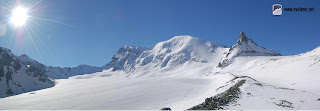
[242, 37]
[245, 47]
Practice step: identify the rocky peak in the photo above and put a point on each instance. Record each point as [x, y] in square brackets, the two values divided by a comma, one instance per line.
[243, 38]
[246, 47]
[125, 55]
[26, 59]
[24, 55]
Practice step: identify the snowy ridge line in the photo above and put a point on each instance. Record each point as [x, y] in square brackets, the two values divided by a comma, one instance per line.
[218, 101]
[241, 89]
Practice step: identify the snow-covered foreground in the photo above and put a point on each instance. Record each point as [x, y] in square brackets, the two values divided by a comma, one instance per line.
[300, 71]
[257, 95]
[101, 91]
[109, 91]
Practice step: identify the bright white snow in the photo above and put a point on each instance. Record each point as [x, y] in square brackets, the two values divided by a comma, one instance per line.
[103, 91]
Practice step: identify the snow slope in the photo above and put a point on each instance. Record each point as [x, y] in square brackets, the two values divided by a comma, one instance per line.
[256, 95]
[300, 71]
[244, 92]
[110, 91]
[106, 91]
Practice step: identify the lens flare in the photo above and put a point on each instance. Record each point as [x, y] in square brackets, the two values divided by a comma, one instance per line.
[19, 16]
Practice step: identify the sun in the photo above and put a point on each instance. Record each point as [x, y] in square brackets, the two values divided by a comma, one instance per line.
[19, 16]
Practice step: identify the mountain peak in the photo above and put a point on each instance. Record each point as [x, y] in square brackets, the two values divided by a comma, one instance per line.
[245, 47]
[24, 55]
[27, 60]
[182, 37]
[181, 43]
[243, 37]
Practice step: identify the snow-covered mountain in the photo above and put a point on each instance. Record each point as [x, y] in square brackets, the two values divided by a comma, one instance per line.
[59, 72]
[166, 56]
[181, 53]
[245, 47]
[16, 77]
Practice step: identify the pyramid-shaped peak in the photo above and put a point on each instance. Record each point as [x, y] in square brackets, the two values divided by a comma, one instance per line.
[243, 37]
[242, 34]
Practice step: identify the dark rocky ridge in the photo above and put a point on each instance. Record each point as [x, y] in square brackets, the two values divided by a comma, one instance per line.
[217, 102]
[243, 37]
[14, 76]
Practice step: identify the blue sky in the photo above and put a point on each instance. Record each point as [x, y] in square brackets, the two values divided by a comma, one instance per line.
[91, 31]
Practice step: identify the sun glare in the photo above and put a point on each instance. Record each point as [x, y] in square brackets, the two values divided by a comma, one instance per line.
[19, 16]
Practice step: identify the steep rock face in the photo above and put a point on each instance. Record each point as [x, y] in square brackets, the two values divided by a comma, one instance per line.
[16, 77]
[59, 72]
[125, 58]
[165, 55]
[245, 47]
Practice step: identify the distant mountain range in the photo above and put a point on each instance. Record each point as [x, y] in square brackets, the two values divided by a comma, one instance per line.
[59, 72]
